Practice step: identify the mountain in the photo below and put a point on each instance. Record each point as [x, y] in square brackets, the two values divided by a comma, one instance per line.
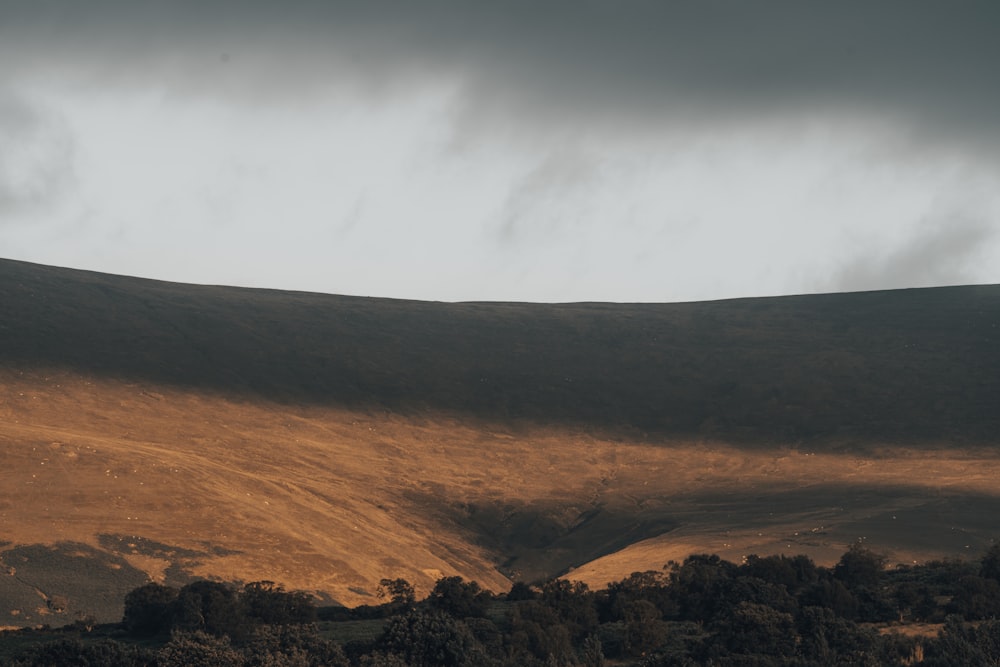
[153, 430]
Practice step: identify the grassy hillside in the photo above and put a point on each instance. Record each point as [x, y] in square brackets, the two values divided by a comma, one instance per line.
[908, 365]
[156, 430]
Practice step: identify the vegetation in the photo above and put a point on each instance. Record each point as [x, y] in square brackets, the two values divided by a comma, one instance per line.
[773, 610]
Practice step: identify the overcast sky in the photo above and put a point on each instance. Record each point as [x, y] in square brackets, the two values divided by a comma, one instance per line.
[522, 150]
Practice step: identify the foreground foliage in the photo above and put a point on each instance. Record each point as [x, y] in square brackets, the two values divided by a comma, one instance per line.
[774, 610]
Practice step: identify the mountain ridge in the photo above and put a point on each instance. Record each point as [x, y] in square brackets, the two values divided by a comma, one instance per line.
[518, 361]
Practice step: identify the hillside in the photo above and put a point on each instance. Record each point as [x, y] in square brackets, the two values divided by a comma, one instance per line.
[151, 429]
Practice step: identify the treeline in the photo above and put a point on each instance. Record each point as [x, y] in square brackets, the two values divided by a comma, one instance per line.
[774, 610]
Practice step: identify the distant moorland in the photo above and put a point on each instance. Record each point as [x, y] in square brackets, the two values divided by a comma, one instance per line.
[160, 432]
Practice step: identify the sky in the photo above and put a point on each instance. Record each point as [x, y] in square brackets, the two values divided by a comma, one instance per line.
[584, 150]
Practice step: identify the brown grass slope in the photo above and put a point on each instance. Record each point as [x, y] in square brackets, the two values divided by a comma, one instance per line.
[151, 429]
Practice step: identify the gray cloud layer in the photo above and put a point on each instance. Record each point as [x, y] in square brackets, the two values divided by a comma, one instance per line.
[924, 63]
[941, 253]
[34, 157]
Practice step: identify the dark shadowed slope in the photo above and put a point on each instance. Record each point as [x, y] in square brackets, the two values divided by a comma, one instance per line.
[907, 365]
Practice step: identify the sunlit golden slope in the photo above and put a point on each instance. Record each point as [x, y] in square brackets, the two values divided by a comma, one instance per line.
[155, 430]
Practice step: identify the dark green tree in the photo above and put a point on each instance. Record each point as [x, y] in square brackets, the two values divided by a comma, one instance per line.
[459, 598]
[592, 653]
[644, 627]
[268, 603]
[198, 649]
[148, 609]
[431, 639]
[652, 586]
[271, 646]
[828, 639]
[536, 633]
[794, 573]
[521, 591]
[976, 598]
[860, 567]
[398, 592]
[990, 563]
[208, 606]
[698, 586]
[756, 629]
[574, 604]
[955, 646]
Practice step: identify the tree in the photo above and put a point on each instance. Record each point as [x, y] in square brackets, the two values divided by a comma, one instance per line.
[593, 652]
[752, 589]
[644, 627]
[208, 606]
[574, 603]
[459, 598]
[274, 646]
[198, 649]
[698, 585]
[990, 563]
[399, 592]
[148, 609]
[537, 632]
[794, 573]
[832, 595]
[830, 639]
[652, 585]
[431, 639]
[753, 628]
[976, 598]
[860, 567]
[955, 645]
[268, 603]
[521, 591]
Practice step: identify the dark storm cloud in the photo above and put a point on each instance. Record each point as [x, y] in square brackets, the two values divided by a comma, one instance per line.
[928, 65]
[942, 252]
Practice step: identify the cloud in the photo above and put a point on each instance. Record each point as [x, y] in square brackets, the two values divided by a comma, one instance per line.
[539, 202]
[35, 157]
[928, 65]
[944, 251]
[572, 135]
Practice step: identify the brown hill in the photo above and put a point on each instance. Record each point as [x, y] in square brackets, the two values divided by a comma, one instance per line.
[151, 429]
